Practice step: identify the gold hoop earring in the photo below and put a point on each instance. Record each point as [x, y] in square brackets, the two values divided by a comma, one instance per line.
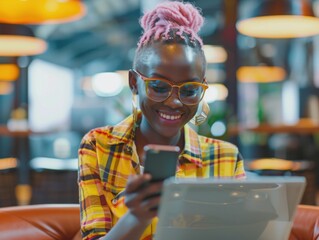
[201, 114]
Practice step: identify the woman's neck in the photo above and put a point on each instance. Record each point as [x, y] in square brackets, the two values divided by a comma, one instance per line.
[143, 139]
[145, 136]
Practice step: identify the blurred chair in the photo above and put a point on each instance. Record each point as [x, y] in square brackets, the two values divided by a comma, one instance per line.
[282, 167]
[54, 180]
[8, 181]
[54, 168]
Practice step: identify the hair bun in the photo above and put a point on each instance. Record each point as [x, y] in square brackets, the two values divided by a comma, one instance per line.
[173, 15]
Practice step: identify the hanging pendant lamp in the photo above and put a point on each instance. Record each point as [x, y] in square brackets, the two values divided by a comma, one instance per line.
[279, 19]
[19, 40]
[9, 72]
[260, 74]
[215, 54]
[40, 11]
[15, 45]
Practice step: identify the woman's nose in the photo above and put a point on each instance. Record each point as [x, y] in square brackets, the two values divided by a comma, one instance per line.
[173, 100]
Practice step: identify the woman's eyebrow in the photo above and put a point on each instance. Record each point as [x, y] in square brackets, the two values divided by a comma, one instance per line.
[159, 75]
[195, 79]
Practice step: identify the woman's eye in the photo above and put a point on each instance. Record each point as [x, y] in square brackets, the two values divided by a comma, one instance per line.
[160, 89]
[158, 86]
[190, 90]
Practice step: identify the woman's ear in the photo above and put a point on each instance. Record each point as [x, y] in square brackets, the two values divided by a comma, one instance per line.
[132, 82]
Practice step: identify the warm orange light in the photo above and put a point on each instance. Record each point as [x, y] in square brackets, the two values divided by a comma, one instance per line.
[9, 72]
[216, 92]
[16, 45]
[260, 74]
[6, 88]
[40, 11]
[272, 164]
[215, 54]
[8, 163]
[279, 26]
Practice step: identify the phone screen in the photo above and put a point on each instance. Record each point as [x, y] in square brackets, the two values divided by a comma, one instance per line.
[160, 161]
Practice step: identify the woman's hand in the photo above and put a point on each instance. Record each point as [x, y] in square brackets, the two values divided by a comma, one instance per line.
[143, 197]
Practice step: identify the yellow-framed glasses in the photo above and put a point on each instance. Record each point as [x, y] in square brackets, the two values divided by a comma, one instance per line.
[159, 89]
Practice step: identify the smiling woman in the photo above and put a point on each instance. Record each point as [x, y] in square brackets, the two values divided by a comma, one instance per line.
[168, 79]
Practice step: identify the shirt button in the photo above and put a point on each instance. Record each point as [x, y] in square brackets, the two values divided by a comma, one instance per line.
[128, 149]
[114, 201]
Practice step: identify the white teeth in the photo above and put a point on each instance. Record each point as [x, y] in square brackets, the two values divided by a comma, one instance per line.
[170, 117]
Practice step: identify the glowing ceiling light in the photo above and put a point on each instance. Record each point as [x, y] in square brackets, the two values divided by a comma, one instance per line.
[17, 45]
[218, 129]
[279, 19]
[9, 72]
[279, 27]
[260, 74]
[216, 92]
[8, 163]
[215, 54]
[40, 11]
[271, 164]
[107, 84]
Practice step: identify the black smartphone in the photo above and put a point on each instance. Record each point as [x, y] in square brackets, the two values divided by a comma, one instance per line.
[160, 161]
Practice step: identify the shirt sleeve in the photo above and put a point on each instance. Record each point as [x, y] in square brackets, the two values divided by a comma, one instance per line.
[96, 218]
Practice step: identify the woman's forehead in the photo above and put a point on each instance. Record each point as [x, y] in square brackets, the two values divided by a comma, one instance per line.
[174, 52]
[172, 57]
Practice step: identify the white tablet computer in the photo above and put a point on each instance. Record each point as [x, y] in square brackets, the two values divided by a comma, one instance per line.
[253, 209]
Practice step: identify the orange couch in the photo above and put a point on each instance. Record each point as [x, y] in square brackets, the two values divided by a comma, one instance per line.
[306, 223]
[62, 222]
[40, 222]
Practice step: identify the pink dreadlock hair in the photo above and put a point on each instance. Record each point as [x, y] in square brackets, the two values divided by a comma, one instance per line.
[170, 19]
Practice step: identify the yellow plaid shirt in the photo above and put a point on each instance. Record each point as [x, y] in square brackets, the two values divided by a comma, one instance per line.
[107, 156]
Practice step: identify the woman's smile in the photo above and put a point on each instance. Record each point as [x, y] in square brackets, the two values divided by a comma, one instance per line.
[170, 116]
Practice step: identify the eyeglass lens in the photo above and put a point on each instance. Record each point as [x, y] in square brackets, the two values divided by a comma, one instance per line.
[189, 93]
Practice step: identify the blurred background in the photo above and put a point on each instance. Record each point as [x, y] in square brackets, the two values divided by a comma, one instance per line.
[64, 70]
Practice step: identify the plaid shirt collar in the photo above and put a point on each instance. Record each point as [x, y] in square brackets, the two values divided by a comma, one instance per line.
[124, 132]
